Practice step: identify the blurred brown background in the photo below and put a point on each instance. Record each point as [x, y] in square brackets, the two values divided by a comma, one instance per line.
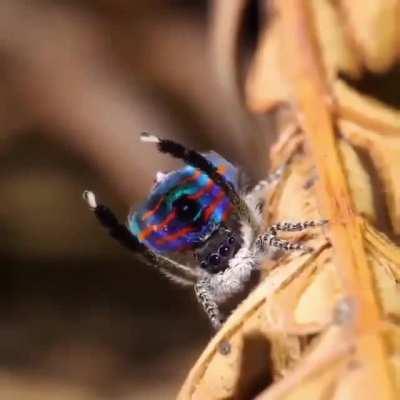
[79, 317]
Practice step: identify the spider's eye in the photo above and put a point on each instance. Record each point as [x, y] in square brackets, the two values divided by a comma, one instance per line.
[231, 240]
[224, 250]
[186, 209]
[214, 259]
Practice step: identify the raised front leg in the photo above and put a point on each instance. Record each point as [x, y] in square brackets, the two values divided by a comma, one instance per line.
[173, 270]
[204, 296]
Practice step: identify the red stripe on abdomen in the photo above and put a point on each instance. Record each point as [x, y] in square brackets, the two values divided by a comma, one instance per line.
[211, 208]
[154, 228]
[174, 236]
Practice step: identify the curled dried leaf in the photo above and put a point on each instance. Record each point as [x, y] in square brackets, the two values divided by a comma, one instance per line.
[326, 323]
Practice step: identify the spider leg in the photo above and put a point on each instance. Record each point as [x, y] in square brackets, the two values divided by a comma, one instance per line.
[174, 277]
[271, 240]
[276, 176]
[273, 178]
[197, 160]
[120, 232]
[204, 297]
[258, 195]
[295, 226]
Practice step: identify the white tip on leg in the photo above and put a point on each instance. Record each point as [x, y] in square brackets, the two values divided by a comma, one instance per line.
[90, 198]
[147, 137]
[160, 176]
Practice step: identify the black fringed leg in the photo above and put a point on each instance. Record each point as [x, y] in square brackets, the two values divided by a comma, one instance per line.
[121, 233]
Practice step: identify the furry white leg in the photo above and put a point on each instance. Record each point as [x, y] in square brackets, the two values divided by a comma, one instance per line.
[215, 290]
[205, 298]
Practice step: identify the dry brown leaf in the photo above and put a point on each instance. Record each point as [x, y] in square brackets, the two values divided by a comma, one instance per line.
[365, 111]
[374, 27]
[384, 152]
[325, 325]
[266, 72]
[336, 51]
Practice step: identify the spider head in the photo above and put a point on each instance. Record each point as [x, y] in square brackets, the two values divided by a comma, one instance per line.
[216, 252]
[184, 209]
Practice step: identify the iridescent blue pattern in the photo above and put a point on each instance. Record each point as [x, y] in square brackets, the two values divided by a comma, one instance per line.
[159, 224]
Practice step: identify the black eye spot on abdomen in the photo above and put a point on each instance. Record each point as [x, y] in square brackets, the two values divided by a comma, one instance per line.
[187, 210]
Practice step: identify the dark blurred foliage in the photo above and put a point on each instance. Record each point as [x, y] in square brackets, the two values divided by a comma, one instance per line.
[80, 318]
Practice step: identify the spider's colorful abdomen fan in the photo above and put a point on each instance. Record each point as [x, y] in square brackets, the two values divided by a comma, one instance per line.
[184, 208]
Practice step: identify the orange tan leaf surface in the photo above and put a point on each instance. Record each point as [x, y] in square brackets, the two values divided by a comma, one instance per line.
[374, 27]
[322, 325]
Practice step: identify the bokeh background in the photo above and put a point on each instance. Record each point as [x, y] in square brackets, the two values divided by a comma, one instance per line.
[79, 80]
